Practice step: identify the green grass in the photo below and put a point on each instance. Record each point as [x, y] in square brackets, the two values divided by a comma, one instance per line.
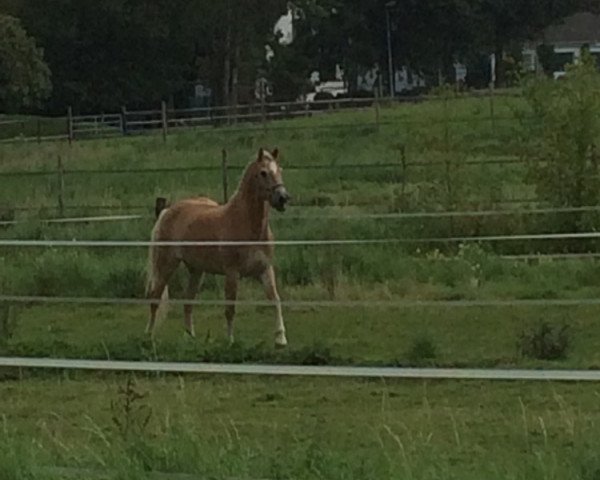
[302, 428]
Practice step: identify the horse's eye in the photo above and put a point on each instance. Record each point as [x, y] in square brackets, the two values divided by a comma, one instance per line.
[263, 173]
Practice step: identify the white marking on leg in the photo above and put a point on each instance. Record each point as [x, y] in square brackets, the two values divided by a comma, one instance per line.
[269, 283]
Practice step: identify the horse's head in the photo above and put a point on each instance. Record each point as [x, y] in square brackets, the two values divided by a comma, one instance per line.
[269, 179]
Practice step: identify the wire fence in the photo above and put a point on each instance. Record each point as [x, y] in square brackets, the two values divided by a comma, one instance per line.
[256, 118]
[338, 215]
[314, 303]
[305, 371]
[297, 243]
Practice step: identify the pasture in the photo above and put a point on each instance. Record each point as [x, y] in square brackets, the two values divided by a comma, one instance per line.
[434, 156]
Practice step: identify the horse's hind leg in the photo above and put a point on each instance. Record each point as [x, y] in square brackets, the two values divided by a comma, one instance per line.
[270, 286]
[161, 273]
[231, 286]
[194, 284]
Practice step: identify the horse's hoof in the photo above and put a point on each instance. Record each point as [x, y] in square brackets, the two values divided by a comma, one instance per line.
[191, 334]
[280, 341]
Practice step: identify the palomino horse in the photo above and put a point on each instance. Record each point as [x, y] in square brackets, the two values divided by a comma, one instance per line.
[244, 218]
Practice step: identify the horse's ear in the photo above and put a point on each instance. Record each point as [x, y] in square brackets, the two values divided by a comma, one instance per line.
[275, 154]
[260, 154]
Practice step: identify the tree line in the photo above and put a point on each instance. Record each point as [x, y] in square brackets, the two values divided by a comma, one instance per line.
[97, 55]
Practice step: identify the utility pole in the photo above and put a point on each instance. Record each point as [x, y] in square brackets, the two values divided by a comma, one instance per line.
[388, 6]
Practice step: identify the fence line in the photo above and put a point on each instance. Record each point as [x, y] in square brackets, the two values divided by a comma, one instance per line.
[305, 371]
[95, 219]
[297, 204]
[197, 168]
[551, 256]
[351, 304]
[125, 122]
[336, 215]
[217, 168]
[65, 473]
[288, 243]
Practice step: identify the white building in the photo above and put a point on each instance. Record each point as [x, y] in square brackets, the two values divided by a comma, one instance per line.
[566, 39]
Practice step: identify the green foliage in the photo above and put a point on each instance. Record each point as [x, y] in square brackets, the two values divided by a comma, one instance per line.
[545, 342]
[422, 350]
[130, 414]
[24, 76]
[564, 164]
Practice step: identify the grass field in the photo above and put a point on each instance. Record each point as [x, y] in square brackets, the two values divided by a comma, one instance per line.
[303, 428]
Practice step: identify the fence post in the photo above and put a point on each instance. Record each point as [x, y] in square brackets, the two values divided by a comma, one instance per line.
[159, 205]
[163, 115]
[124, 120]
[39, 131]
[225, 176]
[61, 186]
[70, 124]
[376, 109]
[404, 174]
[263, 110]
[492, 109]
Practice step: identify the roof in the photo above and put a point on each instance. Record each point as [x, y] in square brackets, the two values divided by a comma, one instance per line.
[579, 28]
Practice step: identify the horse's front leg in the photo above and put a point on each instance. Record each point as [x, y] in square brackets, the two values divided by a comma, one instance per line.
[231, 286]
[268, 280]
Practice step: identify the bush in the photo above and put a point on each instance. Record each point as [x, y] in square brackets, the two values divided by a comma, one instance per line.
[565, 131]
[422, 350]
[545, 342]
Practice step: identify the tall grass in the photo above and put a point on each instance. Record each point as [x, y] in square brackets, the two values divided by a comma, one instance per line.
[419, 432]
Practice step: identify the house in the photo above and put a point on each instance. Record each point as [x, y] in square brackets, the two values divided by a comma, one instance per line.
[566, 40]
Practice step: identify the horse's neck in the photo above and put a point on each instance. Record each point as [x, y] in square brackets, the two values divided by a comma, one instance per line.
[255, 213]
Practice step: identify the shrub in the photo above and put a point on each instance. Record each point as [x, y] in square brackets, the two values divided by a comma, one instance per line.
[545, 342]
[565, 131]
[422, 350]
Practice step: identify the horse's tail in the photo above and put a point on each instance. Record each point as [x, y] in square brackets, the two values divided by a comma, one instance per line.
[153, 273]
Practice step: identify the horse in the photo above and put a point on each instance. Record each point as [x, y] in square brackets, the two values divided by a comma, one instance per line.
[244, 218]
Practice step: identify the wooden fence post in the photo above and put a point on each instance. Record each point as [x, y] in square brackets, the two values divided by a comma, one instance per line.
[376, 104]
[404, 174]
[163, 111]
[492, 109]
[263, 110]
[225, 176]
[124, 120]
[159, 205]
[61, 186]
[70, 124]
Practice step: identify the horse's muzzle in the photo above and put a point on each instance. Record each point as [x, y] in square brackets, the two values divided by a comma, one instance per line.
[279, 198]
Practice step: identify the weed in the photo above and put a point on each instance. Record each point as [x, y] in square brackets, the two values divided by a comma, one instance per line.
[545, 342]
[422, 350]
[129, 414]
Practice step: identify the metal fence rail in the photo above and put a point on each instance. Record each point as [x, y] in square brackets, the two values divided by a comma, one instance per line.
[381, 304]
[338, 215]
[297, 243]
[306, 371]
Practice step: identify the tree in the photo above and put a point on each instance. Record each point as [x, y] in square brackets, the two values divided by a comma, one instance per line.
[565, 167]
[24, 76]
[108, 53]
